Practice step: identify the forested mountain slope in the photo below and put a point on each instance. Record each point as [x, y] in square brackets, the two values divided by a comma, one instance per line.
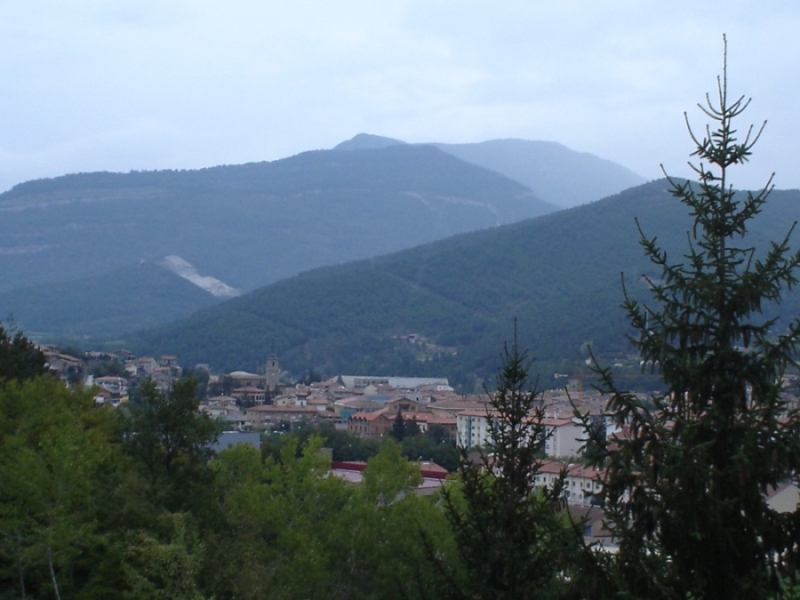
[555, 173]
[558, 274]
[246, 225]
[255, 223]
[121, 300]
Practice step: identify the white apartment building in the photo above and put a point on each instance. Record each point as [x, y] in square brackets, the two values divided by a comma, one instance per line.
[582, 484]
[564, 436]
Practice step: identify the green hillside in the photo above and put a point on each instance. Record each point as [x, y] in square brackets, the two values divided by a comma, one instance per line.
[558, 274]
[249, 225]
[119, 301]
[64, 240]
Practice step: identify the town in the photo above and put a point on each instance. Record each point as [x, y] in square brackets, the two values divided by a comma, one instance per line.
[249, 405]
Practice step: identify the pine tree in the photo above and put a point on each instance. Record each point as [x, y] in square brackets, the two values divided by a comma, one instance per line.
[20, 359]
[512, 536]
[688, 476]
[399, 428]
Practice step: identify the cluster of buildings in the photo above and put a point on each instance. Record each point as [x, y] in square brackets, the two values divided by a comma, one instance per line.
[370, 407]
[364, 406]
[127, 369]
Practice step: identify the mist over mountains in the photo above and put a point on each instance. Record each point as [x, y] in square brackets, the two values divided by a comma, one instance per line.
[552, 171]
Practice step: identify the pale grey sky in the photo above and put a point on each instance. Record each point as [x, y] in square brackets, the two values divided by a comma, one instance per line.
[120, 85]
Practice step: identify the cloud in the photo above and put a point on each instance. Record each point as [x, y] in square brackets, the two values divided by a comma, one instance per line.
[173, 84]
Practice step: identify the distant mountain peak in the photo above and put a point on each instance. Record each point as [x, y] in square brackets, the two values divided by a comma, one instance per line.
[549, 169]
[185, 269]
[367, 141]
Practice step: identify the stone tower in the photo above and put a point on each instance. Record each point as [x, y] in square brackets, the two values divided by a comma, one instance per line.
[273, 374]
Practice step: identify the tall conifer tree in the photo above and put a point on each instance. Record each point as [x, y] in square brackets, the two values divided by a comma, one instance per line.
[688, 477]
[513, 537]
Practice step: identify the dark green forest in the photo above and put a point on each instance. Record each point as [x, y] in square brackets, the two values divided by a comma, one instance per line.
[248, 225]
[94, 240]
[123, 299]
[559, 274]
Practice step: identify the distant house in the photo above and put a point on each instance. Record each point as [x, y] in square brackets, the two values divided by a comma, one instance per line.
[241, 379]
[67, 367]
[595, 528]
[371, 424]
[103, 396]
[359, 382]
[582, 484]
[118, 386]
[473, 427]
[250, 395]
[783, 498]
[347, 407]
[564, 437]
[403, 404]
[168, 361]
[141, 367]
[450, 406]
[220, 407]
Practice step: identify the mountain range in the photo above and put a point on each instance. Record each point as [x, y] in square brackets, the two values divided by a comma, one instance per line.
[552, 171]
[447, 307]
[376, 256]
[102, 254]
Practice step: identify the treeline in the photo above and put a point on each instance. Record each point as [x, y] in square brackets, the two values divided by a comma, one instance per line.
[558, 274]
[132, 503]
[98, 503]
[432, 445]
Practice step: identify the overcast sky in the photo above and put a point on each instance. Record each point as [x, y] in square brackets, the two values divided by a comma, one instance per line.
[121, 85]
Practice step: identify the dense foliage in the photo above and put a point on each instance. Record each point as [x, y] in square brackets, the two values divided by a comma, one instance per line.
[432, 445]
[133, 503]
[103, 504]
[123, 299]
[20, 359]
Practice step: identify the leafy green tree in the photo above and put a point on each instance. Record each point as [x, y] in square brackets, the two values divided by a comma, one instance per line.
[512, 538]
[438, 433]
[687, 482]
[154, 569]
[57, 464]
[398, 430]
[171, 441]
[424, 446]
[403, 428]
[111, 367]
[293, 531]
